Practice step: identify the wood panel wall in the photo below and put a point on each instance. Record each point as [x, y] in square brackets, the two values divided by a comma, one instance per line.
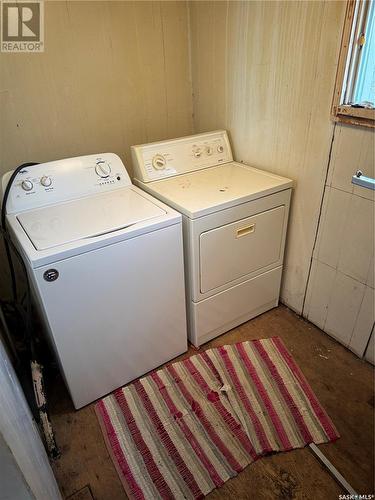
[113, 74]
[266, 71]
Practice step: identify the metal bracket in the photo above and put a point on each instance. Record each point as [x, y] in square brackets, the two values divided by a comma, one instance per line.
[361, 180]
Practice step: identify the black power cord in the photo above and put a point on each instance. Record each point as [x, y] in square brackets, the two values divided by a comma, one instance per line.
[38, 404]
[7, 240]
[15, 307]
[8, 243]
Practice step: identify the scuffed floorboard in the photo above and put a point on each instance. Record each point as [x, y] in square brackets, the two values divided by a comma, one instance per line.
[83, 494]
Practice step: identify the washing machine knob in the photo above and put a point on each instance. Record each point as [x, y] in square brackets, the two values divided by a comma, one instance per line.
[158, 162]
[197, 152]
[103, 169]
[46, 181]
[220, 149]
[27, 185]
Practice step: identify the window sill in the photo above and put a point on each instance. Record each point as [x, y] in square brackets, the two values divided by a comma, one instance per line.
[354, 116]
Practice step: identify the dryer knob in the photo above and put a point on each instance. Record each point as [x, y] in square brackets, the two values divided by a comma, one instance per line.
[103, 169]
[46, 181]
[158, 162]
[220, 149]
[27, 185]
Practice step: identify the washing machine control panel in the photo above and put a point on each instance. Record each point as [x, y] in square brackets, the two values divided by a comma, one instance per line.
[64, 180]
[159, 160]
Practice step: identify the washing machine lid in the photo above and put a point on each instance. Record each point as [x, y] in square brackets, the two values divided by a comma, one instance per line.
[206, 191]
[86, 218]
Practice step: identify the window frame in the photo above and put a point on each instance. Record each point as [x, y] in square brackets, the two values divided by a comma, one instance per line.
[349, 62]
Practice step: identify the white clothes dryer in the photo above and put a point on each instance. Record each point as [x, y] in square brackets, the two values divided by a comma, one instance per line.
[234, 222]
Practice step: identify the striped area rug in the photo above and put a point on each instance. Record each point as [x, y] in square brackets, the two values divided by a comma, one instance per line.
[187, 428]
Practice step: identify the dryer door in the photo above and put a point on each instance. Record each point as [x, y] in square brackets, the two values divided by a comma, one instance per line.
[240, 248]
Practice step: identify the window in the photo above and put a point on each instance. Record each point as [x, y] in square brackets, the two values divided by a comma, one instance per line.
[354, 97]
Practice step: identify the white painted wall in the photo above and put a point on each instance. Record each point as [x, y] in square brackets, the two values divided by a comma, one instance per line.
[12, 483]
[19, 434]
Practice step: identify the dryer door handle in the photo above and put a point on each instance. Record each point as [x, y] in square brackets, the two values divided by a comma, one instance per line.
[243, 231]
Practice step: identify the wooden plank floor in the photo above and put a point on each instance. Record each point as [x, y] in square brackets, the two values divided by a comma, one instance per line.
[343, 383]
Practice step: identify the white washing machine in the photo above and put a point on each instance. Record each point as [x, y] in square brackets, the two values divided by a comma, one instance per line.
[105, 260]
[234, 221]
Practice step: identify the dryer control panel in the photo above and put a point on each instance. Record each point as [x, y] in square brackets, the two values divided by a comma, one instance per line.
[63, 180]
[159, 160]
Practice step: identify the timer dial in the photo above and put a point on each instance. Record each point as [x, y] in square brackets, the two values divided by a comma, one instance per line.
[46, 181]
[102, 169]
[159, 162]
[27, 185]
